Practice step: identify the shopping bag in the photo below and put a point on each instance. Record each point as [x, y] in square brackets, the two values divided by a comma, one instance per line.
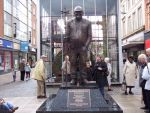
[123, 87]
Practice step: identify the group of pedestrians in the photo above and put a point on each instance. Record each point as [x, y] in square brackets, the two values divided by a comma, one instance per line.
[25, 70]
[144, 78]
[99, 72]
[142, 69]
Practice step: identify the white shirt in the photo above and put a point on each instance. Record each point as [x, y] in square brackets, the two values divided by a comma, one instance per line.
[146, 76]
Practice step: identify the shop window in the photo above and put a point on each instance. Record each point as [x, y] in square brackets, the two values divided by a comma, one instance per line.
[7, 61]
[1, 61]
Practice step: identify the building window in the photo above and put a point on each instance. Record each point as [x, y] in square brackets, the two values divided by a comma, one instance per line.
[5, 61]
[140, 19]
[7, 6]
[134, 21]
[129, 5]
[123, 27]
[7, 30]
[129, 25]
[7, 18]
[148, 17]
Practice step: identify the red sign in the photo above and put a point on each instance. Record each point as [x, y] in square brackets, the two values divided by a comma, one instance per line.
[147, 44]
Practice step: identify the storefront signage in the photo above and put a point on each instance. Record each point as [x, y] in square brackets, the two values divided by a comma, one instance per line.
[6, 43]
[24, 46]
[147, 40]
[1, 43]
[147, 44]
[16, 46]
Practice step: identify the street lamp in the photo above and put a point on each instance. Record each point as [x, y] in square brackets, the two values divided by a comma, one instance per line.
[98, 23]
[14, 30]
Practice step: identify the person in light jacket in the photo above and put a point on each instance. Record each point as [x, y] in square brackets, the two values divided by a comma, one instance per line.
[146, 76]
[66, 69]
[130, 73]
[107, 60]
[142, 59]
[39, 75]
[27, 70]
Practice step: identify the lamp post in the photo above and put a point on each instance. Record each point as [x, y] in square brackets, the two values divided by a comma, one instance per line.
[97, 45]
[14, 30]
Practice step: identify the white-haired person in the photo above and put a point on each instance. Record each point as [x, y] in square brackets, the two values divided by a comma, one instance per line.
[146, 76]
[107, 60]
[39, 74]
[66, 69]
[148, 54]
[142, 59]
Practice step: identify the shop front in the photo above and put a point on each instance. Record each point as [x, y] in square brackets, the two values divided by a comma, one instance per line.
[16, 49]
[133, 48]
[147, 39]
[6, 58]
[23, 50]
[32, 56]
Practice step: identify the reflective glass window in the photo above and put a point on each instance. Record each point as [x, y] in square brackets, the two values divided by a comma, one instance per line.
[7, 18]
[7, 6]
[7, 30]
[24, 2]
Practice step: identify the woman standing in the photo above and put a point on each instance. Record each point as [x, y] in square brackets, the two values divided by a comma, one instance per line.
[100, 76]
[130, 74]
[142, 63]
[109, 74]
[27, 70]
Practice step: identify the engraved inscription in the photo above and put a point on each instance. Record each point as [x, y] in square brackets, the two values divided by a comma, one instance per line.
[79, 98]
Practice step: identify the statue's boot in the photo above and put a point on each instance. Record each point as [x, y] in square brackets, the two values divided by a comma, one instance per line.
[85, 81]
[73, 82]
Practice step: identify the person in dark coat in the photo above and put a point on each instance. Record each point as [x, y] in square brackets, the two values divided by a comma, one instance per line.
[89, 71]
[142, 63]
[100, 73]
[22, 69]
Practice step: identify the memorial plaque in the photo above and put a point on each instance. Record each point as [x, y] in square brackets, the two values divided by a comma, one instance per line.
[79, 98]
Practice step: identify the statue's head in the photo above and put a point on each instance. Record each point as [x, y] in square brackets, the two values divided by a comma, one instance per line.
[78, 13]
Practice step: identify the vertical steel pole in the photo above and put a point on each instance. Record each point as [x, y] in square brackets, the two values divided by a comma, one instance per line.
[62, 42]
[107, 30]
[50, 37]
[95, 24]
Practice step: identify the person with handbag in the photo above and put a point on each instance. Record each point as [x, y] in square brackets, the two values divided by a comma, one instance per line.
[107, 60]
[99, 74]
[142, 63]
[130, 72]
[146, 76]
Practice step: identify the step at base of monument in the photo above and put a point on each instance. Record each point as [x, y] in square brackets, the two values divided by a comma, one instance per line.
[81, 100]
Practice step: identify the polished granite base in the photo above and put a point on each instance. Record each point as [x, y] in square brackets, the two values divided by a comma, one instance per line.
[85, 99]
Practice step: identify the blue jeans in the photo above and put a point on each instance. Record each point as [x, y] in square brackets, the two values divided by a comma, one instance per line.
[6, 106]
[101, 90]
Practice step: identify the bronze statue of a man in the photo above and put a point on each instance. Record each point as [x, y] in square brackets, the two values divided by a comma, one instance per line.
[78, 37]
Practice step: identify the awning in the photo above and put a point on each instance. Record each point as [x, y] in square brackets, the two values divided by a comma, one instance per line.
[132, 44]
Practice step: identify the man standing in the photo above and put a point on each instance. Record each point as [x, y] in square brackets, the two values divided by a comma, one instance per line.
[22, 69]
[78, 37]
[39, 75]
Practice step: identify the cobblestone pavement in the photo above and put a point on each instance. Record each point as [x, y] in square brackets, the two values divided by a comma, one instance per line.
[23, 94]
